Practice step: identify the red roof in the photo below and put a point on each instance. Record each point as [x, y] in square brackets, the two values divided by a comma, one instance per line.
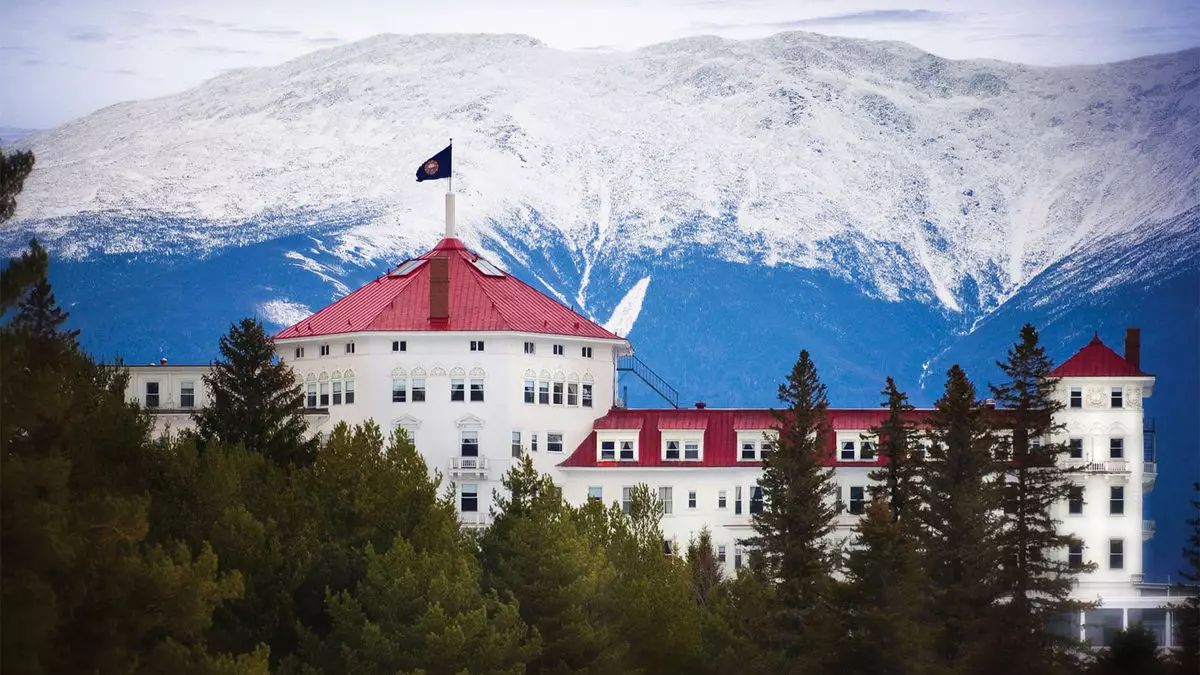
[478, 301]
[1096, 360]
[720, 429]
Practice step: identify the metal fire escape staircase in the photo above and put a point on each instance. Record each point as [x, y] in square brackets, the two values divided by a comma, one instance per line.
[632, 364]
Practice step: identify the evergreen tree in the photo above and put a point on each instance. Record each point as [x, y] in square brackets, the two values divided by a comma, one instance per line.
[884, 612]
[14, 168]
[960, 497]
[792, 531]
[1133, 651]
[254, 399]
[897, 436]
[707, 573]
[536, 553]
[1035, 577]
[1187, 614]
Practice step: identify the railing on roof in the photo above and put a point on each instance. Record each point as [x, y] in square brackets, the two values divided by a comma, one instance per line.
[632, 364]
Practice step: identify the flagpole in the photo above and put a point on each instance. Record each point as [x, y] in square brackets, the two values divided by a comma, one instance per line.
[450, 233]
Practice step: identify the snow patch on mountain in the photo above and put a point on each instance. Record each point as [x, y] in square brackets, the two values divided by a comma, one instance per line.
[627, 311]
[282, 312]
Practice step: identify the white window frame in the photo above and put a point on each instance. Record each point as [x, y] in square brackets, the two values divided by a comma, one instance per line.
[458, 386]
[399, 390]
[468, 490]
[476, 345]
[586, 352]
[517, 448]
[530, 348]
[550, 442]
[157, 394]
[666, 495]
[559, 350]
[1117, 398]
[852, 442]
[418, 384]
[627, 498]
[722, 499]
[692, 500]
[463, 437]
[596, 493]
[475, 384]
[585, 395]
[619, 438]
[185, 386]
[761, 439]
[399, 345]
[349, 347]
[573, 394]
[682, 438]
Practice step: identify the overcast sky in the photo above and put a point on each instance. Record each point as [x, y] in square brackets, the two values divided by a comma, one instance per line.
[61, 59]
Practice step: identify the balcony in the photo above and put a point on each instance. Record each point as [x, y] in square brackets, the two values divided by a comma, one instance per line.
[1147, 530]
[469, 467]
[1149, 474]
[474, 521]
[1108, 466]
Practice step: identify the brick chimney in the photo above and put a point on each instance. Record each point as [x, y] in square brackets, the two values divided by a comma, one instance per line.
[439, 288]
[701, 405]
[1133, 347]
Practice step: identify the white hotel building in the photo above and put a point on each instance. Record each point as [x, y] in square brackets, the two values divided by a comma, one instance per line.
[479, 369]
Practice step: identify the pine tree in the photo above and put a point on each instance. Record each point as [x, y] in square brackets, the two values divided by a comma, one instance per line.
[1133, 651]
[1187, 613]
[897, 436]
[883, 602]
[536, 553]
[1035, 576]
[13, 170]
[705, 570]
[254, 399]
[959, 494]
[792, 531]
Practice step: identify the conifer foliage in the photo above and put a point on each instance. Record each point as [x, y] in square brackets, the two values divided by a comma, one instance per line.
[897, 437]
[1187, 613]
[254, 399]
[14, 168]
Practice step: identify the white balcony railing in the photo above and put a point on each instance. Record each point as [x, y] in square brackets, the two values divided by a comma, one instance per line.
[1109, 466]
[474, 521]
[1149, 475]
[469, 466]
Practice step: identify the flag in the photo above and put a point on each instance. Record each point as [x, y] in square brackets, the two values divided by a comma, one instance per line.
[435, 167]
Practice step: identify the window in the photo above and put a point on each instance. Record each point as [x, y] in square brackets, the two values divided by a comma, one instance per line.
[666, 496]
[672, 450]
[533, 442]
[529, 349]
[529, 386]
[554, 443]
[544, 393]
[558, 393]
[558, 350]
[627, 452]
[349, 347]
[721, 499]
[627, 499]
[337, 392]
[848, 452]
[418, 390]
[691, 499]
[748, 450]
[737, 500]
[151, 394]
[1116, 554]
[721, 553]
[476, 345]
[857, 500]
[399, 391]
[299, 352]
[691, 450]
[458, 390]
[1116, 500]
[324, 350]
[756, 499]
[349, 392]
[470, 498]
[764, 450]
[866, 450]
[596, 493]
[587, 395]
[516, 444]
[399, 346]
[312, 395]
[587, 352]
[572, 394]
[1075, 555]
[1076, 446]
[738, 552]
[839, 505]
[1116, 448]
[470, 444]
[668, 547]
[1075, 501]
[608, 451]
[477, 390]
[187, 394]
[324, 394]
[1076, 397]
[1118, 397]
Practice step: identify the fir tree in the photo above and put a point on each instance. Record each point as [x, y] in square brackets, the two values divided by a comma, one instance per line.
[960, 496]
[14, 168]
[1133, 651]
[254, 399]
[1187, 613]
[792, 531]
[1035, 577]
[897, 436]
[883, 602]
[707, 573]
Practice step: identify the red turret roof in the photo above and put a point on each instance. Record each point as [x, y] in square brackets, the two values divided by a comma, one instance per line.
[1096, 360]
[720, 430]
[481, 298]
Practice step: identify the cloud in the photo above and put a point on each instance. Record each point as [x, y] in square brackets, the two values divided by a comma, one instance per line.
[218, 49]
[90, 36]
[874, 16]
[267, 32]
[325, 41]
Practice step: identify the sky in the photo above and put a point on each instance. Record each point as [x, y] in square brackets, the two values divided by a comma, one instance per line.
[62, 59]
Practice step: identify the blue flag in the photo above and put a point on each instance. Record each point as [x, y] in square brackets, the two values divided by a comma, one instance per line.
[435, 167]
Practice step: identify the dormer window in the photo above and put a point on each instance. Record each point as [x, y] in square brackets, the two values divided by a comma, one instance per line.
[628, 451]
[754, 446]
[617, 446]
[855, 449]
[1118, 397]
[677, 447]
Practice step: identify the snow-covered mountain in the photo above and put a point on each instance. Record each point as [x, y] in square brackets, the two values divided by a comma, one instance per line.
[723, 202]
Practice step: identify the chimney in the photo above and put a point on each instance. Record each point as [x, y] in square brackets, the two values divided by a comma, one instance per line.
[701, 405]
[162, 361]
[1133, 347]
[439, 288]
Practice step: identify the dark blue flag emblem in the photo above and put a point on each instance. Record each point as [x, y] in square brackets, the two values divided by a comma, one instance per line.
[436, 167]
